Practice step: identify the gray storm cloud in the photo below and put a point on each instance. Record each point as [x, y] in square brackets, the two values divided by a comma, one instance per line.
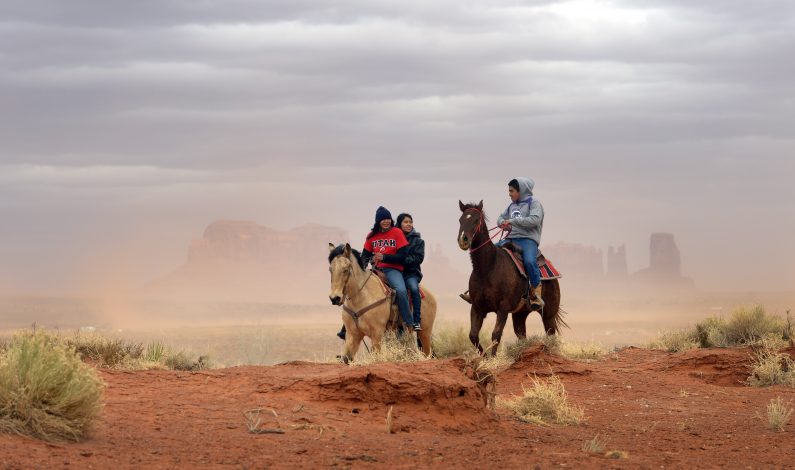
[120, 118]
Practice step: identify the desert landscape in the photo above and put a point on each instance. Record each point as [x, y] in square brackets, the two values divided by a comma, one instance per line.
[191, 191]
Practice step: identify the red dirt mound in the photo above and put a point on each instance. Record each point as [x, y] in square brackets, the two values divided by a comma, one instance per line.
[436, 387]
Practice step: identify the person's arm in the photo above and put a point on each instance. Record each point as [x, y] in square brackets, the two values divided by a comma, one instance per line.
[504, 216]
[534, 217]
[397, 258]
[416, 255]
[366, 257]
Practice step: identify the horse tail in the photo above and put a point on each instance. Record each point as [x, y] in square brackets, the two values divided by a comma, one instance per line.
[559, 321]
[554, 320]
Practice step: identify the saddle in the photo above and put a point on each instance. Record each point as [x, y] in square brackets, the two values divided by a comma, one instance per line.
[548, 271]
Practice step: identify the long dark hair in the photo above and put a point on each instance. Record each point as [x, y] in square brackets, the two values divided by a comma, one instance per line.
[377, 228]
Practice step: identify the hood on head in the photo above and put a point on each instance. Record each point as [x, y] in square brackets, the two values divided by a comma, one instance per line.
[525, 187]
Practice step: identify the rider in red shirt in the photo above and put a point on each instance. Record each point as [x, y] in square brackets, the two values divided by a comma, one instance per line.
[386, 247]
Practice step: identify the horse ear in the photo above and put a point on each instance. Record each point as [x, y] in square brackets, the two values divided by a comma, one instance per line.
[331, 246]
[461, 205]
[347, 250]
[480, 205]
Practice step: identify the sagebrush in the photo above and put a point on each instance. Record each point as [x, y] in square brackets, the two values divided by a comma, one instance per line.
[46, 391]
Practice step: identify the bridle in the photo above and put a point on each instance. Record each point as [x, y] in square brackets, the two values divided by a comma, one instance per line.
[477, 230]
[345, 297]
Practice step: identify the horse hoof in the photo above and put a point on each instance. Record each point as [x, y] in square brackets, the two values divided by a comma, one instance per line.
[343, 359]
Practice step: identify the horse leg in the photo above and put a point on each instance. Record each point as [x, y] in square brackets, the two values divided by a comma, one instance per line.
[352, 341]
[475, 324]
[424, 340]
[520, 324]
[496, 335]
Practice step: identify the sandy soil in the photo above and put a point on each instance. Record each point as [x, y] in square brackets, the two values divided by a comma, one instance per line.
[664, 410]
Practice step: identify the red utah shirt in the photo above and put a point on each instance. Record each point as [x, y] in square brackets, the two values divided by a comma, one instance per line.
[388, 243]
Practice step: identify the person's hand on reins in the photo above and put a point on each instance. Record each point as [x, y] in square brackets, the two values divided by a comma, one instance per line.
[506, 226]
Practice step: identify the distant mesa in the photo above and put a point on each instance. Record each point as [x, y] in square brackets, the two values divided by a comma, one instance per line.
[239, 260]
[664, 263]
[583, 265]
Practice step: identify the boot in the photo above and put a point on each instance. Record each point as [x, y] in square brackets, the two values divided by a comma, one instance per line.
[535, 297]
[466, 297]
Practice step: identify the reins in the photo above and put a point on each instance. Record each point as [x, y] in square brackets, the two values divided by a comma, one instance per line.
[477, 230]
[358, 314]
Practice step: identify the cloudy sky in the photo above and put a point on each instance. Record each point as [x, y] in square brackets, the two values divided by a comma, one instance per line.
[128, 126]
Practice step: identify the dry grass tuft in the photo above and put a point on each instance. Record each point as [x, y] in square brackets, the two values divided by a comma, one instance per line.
[587, 352]
[46, 391]
[454, 342]
[545, 402]
[745, 327]
[595, 445]
[552, 345]
[616, 454]
[771, 368]
[778, 414]
[394, 349]
[675, 341]
[117, 354]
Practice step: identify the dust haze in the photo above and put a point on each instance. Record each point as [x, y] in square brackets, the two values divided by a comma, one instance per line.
[176, 164]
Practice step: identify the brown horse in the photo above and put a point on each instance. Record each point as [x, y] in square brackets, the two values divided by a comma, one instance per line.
[367, 306]
[496, 286]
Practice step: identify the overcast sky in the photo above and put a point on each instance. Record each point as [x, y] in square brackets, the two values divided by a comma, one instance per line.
[127, 127]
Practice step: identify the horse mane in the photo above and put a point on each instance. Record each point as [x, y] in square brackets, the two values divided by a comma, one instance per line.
[472, 205]
[340, 249]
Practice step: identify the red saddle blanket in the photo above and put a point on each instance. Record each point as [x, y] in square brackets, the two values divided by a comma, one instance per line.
[548, 271]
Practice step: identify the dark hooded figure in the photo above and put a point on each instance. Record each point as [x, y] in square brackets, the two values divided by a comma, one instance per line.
[412, 273]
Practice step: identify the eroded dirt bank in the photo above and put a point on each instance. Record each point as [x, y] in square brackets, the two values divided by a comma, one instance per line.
[670, 410]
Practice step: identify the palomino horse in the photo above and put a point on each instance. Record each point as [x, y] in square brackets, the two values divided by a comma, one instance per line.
[496, 286]
[366, 303]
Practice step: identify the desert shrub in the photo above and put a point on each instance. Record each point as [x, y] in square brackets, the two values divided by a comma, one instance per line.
[551, 344]
[778, 414]
[595, 445]
[451, 342]
[155, 352]
[46, 391]
[745, 327]
[582, 352]
[105, 352]
[545, 402]
[711, 333]
[748, 325]
[675, 341]
[115, 353]
[770, 367]
[394, 349]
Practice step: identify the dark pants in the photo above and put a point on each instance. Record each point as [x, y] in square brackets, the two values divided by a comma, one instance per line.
[413, 285]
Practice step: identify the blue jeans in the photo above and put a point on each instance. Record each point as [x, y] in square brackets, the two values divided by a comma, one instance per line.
[529, 255]
[395, 279]
[413, 285]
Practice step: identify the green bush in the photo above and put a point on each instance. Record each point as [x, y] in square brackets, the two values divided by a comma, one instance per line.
[46, 391]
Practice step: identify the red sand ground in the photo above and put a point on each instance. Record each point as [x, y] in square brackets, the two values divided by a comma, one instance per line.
[665, 410]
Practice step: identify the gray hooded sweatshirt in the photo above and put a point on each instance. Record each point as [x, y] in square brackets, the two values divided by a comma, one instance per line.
[527, 215]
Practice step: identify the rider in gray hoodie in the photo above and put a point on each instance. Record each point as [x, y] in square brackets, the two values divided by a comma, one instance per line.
[524, 219]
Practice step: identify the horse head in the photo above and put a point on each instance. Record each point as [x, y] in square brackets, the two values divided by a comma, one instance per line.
[341, 269]
[472, 218]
